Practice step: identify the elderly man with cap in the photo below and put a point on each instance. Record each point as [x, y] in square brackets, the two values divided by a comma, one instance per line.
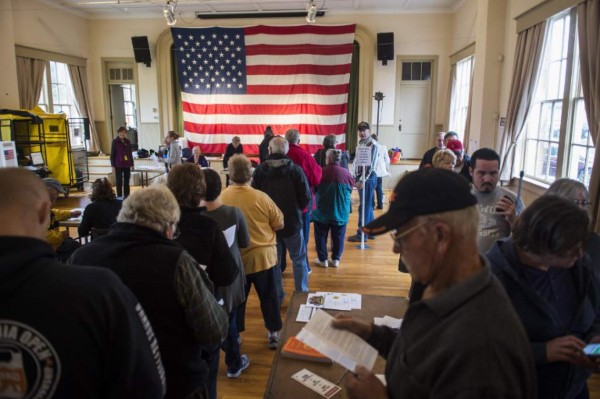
[62, 244]
[462, 337]
[366, 179]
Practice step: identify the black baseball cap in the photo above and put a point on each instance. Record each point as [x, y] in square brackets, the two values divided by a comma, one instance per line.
[363, 126]
[424, 192]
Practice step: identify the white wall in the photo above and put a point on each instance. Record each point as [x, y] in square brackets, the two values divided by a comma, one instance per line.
[37, 25]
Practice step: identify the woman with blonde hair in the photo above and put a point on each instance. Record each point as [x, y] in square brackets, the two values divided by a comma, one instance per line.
[444, 159]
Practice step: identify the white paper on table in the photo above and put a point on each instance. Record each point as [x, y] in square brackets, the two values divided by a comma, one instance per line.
[229, 234]
[320, 385]
[343, 347]
[388, 321]
[305, 313]
[316, 300]
[354, 301]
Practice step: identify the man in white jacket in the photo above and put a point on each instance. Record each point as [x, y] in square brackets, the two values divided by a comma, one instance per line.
[382, 169]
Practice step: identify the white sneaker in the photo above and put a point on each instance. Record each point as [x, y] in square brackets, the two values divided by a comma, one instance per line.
[334, 263]
[324, 263]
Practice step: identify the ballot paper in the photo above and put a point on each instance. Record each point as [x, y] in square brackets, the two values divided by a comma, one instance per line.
[229, 234]
[341, 346]
[388, 321]
[320, 385]
[334, 300]
[305, 313]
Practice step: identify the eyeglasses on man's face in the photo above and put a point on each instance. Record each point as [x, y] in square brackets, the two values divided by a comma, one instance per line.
[397, 237]
[582, 203]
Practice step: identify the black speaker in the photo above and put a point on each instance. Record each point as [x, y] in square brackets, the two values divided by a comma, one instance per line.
[385, 47]
[141, 50]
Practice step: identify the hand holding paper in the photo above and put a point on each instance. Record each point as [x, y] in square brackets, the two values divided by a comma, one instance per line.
[343, 347]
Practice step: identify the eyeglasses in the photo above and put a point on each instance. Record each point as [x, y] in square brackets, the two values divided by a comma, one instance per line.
[582, 203]
[397, 237]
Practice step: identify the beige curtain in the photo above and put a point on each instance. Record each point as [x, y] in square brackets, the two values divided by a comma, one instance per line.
[30, 77]
[469, 108]
[588, 17]
[526, 69]
[451, 87]
[81, 88]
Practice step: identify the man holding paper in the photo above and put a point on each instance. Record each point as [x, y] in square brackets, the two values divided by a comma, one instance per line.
[461, 338]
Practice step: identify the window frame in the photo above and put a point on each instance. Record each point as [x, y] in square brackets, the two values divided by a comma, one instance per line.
[571, 97]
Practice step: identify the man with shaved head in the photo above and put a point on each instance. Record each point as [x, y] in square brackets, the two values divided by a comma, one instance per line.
[65, 331]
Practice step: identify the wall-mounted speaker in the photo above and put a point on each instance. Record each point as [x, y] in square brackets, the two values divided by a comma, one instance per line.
[141, 50]
[385, 47]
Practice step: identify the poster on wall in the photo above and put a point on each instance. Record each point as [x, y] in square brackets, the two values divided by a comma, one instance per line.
[8, 155]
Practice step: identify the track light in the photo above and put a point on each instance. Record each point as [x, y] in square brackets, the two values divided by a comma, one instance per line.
[169, 13]
[311, 15]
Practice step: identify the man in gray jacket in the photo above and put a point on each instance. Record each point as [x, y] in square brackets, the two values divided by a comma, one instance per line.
[461, 338]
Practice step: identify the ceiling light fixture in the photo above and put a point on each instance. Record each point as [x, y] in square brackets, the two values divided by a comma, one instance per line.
[169, 12]
[311, 15]
[256, 14]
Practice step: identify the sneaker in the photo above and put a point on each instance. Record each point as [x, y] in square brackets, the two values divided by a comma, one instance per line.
[273, 339]
[323, 263]
[236, 373]
[356, 238]
[334, 263]
[371, 237]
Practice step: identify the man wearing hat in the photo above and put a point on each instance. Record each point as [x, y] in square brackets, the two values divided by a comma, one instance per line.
[62, 244]
[366, 183]
[462, 336]
[463, 162]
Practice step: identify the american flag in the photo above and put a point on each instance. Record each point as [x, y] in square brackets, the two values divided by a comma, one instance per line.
[236, 81]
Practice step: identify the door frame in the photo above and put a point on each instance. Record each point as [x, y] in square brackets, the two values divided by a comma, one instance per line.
[109, 61]
[434, 59]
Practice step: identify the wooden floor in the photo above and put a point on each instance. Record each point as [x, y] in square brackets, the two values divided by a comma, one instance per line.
[370, 271]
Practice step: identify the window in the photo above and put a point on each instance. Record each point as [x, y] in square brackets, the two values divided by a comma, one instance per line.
[416, 70]
[58, 96]
[461, 91]
[129, 105]
[557, 142]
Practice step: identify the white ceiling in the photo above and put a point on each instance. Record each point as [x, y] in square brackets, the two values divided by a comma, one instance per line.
[98, 9]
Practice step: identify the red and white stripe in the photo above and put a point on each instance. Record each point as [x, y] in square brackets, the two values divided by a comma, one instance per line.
[297, 77]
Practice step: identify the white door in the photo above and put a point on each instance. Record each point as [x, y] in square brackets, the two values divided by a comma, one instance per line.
[413, 106]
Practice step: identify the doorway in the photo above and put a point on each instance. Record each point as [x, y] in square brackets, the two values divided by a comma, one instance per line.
[414, 99]
[122, 98]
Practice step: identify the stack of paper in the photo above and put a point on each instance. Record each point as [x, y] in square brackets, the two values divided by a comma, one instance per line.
[343, 347]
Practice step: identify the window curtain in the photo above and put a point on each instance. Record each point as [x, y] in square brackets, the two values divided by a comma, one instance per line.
[81, 88]
[469, 107]
[451, 88]
[526, 69]
[30, 76]
[352, 114]
[588, 17]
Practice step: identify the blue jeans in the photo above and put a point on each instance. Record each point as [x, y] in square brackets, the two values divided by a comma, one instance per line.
[231, 345]
[306, 233]
[369, 188]
[379, 193]
[297, 250]
[337, 240]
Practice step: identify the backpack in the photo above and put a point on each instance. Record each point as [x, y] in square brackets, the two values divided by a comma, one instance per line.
[382, 166]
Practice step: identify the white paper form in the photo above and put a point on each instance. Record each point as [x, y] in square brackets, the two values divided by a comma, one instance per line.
[388, 321]
[229, 234]
[341, 300]
[343, 347]
[305, 313]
